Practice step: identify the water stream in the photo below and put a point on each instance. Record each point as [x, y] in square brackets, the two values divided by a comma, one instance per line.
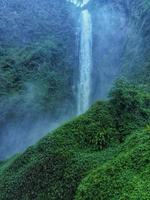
[85, 57]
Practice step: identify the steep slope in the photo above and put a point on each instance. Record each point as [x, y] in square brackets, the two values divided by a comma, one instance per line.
[64, 160]
[125, 177]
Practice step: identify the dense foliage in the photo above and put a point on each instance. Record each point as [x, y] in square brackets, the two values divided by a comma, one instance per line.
[26, 21]
[34, 80]
[84, 158]
[37, 54]
[124, 177]
[38, 66]
[42, 71]
[130, 107]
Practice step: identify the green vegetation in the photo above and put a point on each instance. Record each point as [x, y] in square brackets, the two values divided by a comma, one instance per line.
[85, 158]
[130, 107]
[127, 176]
[32, 76]
[38, 67]
[34, 79]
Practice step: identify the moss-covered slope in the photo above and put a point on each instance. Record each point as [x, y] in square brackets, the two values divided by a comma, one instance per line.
[85, 158]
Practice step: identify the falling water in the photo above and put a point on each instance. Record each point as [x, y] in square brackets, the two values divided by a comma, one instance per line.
[84, 86]
[79, 3]
[85, 68]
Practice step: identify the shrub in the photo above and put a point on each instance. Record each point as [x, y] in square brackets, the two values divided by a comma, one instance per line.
[130, 106]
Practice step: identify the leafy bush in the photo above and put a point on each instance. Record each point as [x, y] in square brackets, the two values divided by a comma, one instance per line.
[130, 107]
[96, 128]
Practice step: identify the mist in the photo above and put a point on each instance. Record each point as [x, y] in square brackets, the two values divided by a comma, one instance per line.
[41, 43]
[115, 37]
[23, 122]
[37, 60]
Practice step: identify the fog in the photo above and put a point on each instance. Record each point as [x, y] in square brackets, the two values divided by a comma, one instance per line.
[22, 123]
[115, 45]
[30, 72]
[29, 113]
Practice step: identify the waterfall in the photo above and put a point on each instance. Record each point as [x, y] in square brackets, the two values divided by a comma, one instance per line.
[85, 62]
[79, 3]
[84, 85]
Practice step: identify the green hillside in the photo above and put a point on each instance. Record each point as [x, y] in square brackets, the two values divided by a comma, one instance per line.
[103, 154]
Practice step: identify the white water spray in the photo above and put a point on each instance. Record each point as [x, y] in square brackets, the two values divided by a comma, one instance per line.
[85, 68]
